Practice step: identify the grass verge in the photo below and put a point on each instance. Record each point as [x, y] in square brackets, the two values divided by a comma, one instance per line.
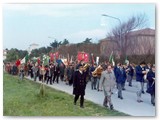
[23, 99]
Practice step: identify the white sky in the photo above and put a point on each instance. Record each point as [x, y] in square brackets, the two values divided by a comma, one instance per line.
[34, 23]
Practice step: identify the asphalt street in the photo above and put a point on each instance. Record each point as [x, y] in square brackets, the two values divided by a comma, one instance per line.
[128, 105]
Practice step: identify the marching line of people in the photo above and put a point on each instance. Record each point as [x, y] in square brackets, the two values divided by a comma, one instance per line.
[104, 77]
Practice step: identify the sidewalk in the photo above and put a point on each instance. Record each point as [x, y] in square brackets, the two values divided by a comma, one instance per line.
[128, 105]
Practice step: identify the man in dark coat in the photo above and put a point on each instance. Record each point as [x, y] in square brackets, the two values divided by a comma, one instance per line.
[56, 72]
[140, 72]
[49, 75]
[130, 70]
[79, 85]
[93, 78]
[70, 74]
[120, 79]
[62, 70]
[151, 82]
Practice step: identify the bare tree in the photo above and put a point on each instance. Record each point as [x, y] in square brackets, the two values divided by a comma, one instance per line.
[121, 34]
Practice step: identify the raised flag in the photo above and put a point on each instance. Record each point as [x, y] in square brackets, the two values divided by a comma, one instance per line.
[46, 60]
[113, 63]
[65, 61]
[83, 56]
[97, 60]
[51, 56]
[110, 57]
[126, 61]
[38, 61]
[57, 55]
[18, 62]
[25, 59]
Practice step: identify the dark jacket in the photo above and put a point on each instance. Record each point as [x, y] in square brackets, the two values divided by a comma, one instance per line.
[120, 75]
[52, 70]
[115, 71]
[91, 70]
[79, 83]
[62, 69]
[131, 71]
[56, 70]
[151, 81]
[139, 74]
[69, 73]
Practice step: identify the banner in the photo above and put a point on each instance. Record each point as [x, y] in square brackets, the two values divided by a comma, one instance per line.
[65, 61]
[46, 60]
[25, 59]
[111, 56]
[54, 56]
[51, 56]
[39, 61]
[83, 56]
[97, 60]
[18, 62]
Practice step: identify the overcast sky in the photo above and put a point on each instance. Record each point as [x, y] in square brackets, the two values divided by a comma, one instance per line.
[24, 24]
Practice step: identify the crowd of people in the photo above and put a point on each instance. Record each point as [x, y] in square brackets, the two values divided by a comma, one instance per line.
[103, 77]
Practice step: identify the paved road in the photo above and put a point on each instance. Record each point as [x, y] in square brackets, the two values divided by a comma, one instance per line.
[128, 105]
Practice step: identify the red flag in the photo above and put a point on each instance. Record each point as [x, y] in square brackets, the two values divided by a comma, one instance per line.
[83, 56]
[57, 55]
[18, 62]
[39, 61]
[51, 56]
[86, 57]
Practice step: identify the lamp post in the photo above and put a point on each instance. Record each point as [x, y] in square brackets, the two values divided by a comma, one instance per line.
[120, 27]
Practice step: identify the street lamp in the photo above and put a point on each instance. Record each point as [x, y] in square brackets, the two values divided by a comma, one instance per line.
[120, 26]
[112, 17]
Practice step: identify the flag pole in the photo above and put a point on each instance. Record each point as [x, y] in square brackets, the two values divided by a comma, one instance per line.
[110, 57]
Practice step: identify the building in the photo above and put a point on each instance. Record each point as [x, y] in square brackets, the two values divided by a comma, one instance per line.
[32, 47]
[139, 42]
[4, 54]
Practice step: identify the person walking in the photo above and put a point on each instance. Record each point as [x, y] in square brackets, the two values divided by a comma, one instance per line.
[151, 84]
[93, 77]
[130, 71]
[79, 85]
[107, 81]
[49, 75]
[35, 71]
[140, 72]
[21, 72]
[56, 72]
[120, 79]
[62, 70]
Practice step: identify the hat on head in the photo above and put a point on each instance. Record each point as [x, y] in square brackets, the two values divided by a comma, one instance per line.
[80, 65]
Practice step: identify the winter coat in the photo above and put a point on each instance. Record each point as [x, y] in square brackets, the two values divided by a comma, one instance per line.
[79, 83]
[107, 81]
[151, 81]
[139, 74]
[121, 75]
